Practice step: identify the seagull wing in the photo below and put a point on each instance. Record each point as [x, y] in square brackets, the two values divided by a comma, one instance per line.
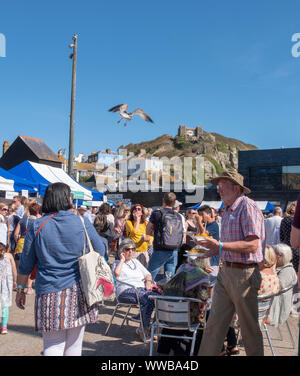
[119, 107]
[142, 114]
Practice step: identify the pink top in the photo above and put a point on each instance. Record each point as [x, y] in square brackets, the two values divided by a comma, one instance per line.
[241, 219]
[269, 284]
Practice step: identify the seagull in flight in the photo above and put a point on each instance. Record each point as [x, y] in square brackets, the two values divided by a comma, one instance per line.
[122, 108]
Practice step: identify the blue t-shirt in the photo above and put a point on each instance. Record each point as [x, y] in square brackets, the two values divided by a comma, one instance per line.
[214, 231]
[56, 249]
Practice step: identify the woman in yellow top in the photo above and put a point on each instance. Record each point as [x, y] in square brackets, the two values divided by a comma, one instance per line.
[136, 231]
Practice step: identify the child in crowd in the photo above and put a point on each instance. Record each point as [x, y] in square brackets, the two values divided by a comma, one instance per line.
[8, 278]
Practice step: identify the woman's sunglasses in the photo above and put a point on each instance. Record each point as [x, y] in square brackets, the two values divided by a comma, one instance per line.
[138, 209]
[129, 249]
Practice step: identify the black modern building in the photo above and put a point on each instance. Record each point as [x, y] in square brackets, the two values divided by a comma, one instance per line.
[272, 175]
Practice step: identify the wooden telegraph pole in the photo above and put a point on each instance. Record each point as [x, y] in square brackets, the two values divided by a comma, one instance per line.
[71, 136]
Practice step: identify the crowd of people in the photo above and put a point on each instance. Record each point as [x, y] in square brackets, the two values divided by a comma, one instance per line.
[247, 255]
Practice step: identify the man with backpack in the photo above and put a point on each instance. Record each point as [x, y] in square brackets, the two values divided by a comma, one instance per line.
[165, 224]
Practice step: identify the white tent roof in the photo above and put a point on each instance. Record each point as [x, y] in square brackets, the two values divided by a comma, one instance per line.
[56, 175]
[264, 205]
[6, 184]
[261, 204]
[213, 204]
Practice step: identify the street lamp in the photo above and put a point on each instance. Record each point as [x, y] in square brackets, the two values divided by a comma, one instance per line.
[71, 136]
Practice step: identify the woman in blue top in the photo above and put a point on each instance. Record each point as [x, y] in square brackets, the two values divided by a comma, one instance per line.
[54, 243]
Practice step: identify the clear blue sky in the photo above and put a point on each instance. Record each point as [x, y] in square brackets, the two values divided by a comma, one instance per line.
[225, 65]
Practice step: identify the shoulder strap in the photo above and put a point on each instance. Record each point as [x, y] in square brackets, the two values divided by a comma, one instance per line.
[8, 233]
[27, 228]
[39, 229]
[87, 236]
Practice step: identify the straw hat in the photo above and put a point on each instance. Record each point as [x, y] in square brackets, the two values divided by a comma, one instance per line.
[234, 177]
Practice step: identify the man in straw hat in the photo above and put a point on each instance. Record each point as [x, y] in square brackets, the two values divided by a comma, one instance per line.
[240, 250]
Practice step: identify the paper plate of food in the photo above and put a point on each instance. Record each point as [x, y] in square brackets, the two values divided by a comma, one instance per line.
[196, 252]
[201, 236]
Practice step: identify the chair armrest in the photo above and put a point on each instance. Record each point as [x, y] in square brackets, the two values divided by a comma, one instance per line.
[131, 286]
[282, 291]
[125, 283]
[176, 298]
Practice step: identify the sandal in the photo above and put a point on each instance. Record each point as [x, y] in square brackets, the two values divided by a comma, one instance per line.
[29, 291]
[147, 338]
[139, 332]
[232, 351]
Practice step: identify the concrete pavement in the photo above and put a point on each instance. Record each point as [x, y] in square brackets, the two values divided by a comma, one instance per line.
[22, 340]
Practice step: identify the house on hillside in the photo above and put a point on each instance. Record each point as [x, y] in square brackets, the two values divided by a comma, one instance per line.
[105, 158]
[81, 169]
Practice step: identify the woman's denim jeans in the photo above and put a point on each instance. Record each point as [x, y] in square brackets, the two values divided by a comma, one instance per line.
[168, 259]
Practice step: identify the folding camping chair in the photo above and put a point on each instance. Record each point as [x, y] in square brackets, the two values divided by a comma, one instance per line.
[125, 316]
[172, 312]
[264, 306]
[286, 322]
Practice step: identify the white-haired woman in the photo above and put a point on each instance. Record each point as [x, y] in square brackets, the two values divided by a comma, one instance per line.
[269, 278]
[282, 304]
[129, 270]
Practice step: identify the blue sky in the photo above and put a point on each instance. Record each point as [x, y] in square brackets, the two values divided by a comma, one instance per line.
[224, 65]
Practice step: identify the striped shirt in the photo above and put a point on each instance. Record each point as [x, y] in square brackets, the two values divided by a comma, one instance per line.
[243, 218]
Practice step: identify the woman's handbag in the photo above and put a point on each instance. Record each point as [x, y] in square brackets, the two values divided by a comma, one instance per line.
[96, 276]
[21, 240]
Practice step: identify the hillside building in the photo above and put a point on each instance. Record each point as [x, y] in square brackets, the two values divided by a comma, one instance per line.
[190, 133]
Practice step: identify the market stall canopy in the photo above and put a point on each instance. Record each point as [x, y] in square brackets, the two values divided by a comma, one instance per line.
[45, 175]
[95, 204]
[213, 204]
[18, 183]
[6, 184]
[265, 205]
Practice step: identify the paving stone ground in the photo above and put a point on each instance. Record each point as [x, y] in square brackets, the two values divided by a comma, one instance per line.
[22, 340]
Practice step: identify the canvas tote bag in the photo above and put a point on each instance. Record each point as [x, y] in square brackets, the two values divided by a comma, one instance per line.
[96, 276]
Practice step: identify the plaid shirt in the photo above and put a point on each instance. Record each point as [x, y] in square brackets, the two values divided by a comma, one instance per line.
[241, 219]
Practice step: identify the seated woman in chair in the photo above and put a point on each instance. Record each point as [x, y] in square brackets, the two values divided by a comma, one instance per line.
[269, 279]
[129, 270]
[282, 304]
